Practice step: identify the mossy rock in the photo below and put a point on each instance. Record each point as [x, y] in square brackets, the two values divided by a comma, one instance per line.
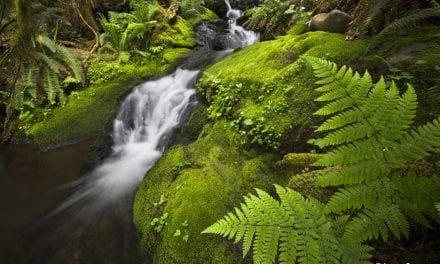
[202, 182]
[274, 104]
[296, 162]
[305, 183]
[181, 33]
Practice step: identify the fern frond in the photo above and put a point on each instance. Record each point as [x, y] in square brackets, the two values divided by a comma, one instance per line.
[52, 85]
[408, 21]
[364, 195]
[46, 42]
[355, 253]
[295, 227]
[375, 222]
[70, 60]
[370, 130]
[49, 62]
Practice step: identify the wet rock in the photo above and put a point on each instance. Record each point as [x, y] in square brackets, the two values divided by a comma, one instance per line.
[336, 22]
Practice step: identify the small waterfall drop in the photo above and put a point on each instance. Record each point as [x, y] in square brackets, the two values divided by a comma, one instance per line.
[239, 37]
[145, 119]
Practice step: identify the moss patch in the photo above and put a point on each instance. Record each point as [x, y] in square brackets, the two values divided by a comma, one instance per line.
[267, 91]
[216, 175]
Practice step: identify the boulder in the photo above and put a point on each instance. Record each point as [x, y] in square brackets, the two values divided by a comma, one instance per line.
[336, 22]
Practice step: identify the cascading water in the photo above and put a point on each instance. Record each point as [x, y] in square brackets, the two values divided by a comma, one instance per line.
[146, 117]
[93, 225]
[238, 35]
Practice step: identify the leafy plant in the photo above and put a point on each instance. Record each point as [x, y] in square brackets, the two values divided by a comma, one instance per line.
[276, 16]
[408, 22]
[296, 228]
[182, 233]
[127, 32]
[159, 223]
[42, 78]
[163, 200]
[191, 8]
[372, 140]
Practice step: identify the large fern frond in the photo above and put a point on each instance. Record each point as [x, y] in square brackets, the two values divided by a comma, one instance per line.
[370, 131]
[295, 227]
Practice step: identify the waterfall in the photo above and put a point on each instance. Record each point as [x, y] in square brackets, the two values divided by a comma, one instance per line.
[145, 119]
[239, 37]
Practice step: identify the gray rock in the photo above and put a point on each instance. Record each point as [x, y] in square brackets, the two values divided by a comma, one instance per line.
[336, 22]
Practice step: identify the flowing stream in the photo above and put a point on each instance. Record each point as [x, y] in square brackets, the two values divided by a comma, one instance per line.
[99, 206]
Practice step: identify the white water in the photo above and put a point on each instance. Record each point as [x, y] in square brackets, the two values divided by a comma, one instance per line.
[237, 33]
[146, 117]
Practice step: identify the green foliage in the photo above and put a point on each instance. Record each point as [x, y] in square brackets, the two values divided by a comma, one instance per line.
[275, 17]
[369, 131]
[45, 75]
[295, 228]
[191, 8]
[159, 223]
[435, 4]
[127, 32]
[408, 22]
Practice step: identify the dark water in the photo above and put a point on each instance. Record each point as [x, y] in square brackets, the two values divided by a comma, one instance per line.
[29, 187]
[32, 184]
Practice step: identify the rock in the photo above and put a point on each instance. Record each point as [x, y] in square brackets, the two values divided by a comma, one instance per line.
[336, 22]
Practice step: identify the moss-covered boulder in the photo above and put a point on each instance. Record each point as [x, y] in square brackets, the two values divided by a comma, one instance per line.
[267, 90]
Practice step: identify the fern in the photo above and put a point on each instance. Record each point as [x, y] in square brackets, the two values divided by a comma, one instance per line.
[371, 138]
[121, 30]
[409, 21]
[295, 227]
[435, 4]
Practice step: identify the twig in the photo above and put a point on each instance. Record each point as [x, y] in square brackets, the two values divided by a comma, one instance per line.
[96, 45]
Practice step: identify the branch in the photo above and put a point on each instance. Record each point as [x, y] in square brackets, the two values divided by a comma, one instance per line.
[96, 45]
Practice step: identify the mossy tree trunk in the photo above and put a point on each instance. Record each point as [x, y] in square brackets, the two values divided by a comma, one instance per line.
[22, 54]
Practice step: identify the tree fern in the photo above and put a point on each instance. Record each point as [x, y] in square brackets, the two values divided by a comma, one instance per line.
[369, 131]
[294, 227]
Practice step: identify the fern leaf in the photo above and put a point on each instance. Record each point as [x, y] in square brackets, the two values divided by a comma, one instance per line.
[51, 63]
[375, 222]
[46, 42]
[358, 196]
[52, 85]
[409, 21]
[295, 227]
[71, 61]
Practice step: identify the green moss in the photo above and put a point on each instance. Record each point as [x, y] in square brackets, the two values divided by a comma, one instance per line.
[87, 112]
[305, 184]
[178, 35]
[181, 34]
[266, 61]
[296, 162]
[198, 194]
[190, 131]
[276, 94]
